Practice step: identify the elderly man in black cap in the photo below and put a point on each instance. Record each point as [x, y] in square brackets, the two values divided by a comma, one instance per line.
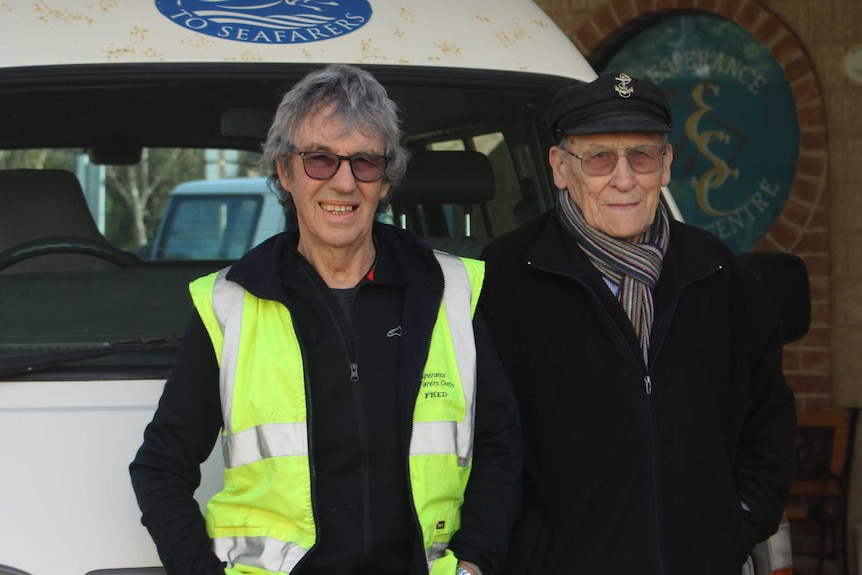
[659, 429]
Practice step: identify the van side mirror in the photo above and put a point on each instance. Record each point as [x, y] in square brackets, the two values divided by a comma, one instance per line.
[785, 279]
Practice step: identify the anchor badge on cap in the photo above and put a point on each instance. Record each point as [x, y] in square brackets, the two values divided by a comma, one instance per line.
[624, 89]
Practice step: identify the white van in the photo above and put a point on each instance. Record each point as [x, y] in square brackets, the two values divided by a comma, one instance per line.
[217, 220]
[105, 107]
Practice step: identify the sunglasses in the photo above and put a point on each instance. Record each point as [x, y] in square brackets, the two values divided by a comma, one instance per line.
[323, 165]
[602, 161]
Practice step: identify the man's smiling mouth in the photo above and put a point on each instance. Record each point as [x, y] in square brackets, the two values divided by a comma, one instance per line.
[337, 209]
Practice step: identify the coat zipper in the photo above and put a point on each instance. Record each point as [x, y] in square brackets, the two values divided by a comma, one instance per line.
[655, 501]
[352, 356]
[365, 458]
[653, 439]
[649, 401]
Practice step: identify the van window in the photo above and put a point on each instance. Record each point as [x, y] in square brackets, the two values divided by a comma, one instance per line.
[127, 201]
[465, 227]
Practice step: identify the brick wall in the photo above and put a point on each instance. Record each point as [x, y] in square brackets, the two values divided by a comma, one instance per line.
[822, 219]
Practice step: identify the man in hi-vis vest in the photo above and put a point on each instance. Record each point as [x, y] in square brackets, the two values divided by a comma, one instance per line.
[366, 422]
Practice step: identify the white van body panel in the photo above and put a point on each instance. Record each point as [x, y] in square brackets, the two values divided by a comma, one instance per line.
[479, 34]
[77, 474]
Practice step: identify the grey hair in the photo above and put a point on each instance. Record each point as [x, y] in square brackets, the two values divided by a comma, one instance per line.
[358, 100]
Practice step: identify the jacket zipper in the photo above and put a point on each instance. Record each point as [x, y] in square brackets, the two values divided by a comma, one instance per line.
[654, 474]
[649, 401]
[351, 355]
[650, 416]
[352, 352]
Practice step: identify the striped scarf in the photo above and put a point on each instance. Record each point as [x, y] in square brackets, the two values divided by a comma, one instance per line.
[633, 266]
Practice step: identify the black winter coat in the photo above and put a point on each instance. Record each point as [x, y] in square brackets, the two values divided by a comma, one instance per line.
[635, 470]
[360, 430]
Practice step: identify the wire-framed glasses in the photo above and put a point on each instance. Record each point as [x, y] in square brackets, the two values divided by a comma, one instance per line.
[644, 159]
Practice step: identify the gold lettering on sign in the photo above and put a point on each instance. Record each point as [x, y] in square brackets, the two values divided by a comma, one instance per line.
[720, 171]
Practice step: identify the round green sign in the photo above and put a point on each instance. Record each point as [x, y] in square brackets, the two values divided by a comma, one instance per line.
[735, 130]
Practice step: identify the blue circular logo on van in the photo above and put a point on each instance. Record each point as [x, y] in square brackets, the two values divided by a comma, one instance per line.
[268, 22]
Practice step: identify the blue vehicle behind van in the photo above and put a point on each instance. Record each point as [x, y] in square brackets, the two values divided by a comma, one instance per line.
[217, 220]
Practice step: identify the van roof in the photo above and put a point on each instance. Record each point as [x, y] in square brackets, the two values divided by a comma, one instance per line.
[505, 35]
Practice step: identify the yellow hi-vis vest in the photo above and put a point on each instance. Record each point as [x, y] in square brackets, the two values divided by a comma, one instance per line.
[262, 521]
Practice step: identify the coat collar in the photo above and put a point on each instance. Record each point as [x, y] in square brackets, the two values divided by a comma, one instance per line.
[557, 251]
[402, 259]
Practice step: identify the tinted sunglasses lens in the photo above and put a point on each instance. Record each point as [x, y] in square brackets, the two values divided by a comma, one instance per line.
[599, 162]
[320, 165]
[367, 168]
[645, 159]
[641, 159]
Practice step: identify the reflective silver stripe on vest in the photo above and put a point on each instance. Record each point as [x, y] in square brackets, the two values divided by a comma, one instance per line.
[228, 298]
[268, 440]
[441, 437]
[262, 552]
[436, 551]
[249, 445]
[437, 437]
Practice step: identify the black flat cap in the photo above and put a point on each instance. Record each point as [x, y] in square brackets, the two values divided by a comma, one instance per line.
[611, 103]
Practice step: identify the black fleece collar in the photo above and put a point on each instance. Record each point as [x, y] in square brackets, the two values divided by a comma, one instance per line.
[402, 258]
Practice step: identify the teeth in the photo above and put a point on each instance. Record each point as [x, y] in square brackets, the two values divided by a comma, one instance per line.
[337, 209]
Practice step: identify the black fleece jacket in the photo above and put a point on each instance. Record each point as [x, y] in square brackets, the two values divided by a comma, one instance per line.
[633, 469]
[359, 431]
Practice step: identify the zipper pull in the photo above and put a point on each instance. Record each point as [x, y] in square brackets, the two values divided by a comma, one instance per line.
[648, 385]
[354, 372]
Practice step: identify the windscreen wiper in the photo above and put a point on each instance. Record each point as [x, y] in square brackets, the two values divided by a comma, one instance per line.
[38, 361]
